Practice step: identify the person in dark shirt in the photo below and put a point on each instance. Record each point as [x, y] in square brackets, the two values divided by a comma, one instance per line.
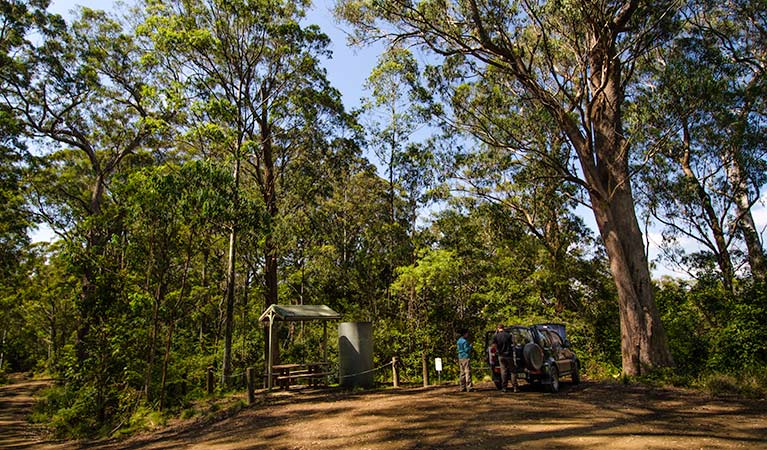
[505, 348]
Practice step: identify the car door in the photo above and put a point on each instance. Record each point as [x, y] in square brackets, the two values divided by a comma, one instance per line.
[558, 350]
[520, 336]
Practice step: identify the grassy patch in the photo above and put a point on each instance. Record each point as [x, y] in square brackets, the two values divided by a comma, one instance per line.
[142, 419]
[750, 384]
[666, 377]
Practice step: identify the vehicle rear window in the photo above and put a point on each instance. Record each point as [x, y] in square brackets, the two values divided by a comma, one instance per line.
[520, 336]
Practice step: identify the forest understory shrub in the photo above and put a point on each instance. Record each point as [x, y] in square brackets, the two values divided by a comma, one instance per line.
[143, 418]
[666, 377]
[751, 384]
[67, 413]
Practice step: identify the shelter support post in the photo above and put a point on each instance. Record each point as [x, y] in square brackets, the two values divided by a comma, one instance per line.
[324, 341]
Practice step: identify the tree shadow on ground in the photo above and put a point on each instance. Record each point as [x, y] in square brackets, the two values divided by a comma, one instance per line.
[584, 416]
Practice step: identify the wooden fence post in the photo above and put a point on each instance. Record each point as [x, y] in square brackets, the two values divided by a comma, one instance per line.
[395, 372]
[251, 378]
[209, 380]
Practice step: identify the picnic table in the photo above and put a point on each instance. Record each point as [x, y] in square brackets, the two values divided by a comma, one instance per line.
[313, 372]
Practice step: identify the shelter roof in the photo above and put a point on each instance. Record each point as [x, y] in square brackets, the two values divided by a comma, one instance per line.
[294, 313]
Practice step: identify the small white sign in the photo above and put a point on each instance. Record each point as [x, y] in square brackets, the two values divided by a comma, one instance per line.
[438, 364]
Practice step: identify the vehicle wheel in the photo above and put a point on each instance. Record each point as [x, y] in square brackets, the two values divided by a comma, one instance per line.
[533, 354]
[553, 386]
[576, 372]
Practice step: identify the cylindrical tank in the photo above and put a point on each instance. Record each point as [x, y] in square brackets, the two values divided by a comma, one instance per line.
[355, 354]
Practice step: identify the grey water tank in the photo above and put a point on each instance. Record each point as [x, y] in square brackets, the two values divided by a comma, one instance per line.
[355, 354]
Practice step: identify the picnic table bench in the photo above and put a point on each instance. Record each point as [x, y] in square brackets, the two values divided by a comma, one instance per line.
[315, 373]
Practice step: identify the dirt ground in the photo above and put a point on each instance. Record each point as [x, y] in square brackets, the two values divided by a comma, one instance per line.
[588, 416]
[16, 402]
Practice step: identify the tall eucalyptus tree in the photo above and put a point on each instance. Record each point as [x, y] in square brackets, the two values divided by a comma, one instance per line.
[684, 181]
[574, 61]
[17, 20]
[731, 36]
[87, 103]
[701, 112]
[396, 111]
[261, 97]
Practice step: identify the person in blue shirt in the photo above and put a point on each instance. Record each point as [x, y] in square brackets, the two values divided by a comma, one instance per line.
[464, 361]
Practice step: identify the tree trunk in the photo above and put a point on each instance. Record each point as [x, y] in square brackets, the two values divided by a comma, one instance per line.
[152, 342]
[604, 158]
[94, 246]
[267, 180]
[206, 295]
[747, 226]
[643, 339]
[270, 271]
[230, 285]
[172, 325]
[229, 310]
[166, 358]
[745, 220]
[270, 249]
[53, 356]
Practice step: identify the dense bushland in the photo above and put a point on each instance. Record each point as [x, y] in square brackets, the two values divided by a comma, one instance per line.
[194, 166]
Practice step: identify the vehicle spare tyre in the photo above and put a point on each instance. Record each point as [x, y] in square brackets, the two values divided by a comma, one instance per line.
[533, 354]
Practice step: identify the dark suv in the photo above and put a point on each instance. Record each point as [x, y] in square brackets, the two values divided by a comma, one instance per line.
[542, 355]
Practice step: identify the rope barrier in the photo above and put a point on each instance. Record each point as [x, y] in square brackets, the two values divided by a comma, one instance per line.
[219, 373]
[394, 364]
[239, 374]
[367, 371]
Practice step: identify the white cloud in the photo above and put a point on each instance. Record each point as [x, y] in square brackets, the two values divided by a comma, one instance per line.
[42, 233]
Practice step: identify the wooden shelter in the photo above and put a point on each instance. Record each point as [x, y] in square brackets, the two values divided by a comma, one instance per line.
[296, 313]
